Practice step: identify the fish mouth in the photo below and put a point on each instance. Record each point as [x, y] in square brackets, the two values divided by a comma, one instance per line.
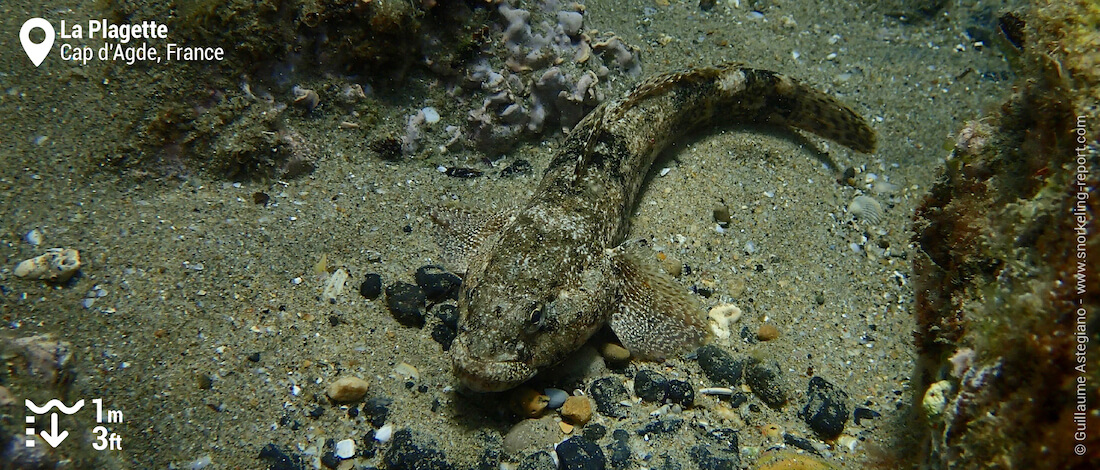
[488, 375]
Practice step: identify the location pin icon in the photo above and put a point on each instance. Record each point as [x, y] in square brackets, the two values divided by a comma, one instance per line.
[37, 52]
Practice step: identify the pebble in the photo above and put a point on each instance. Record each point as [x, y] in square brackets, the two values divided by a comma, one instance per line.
[414, 451]
[556, 397]
[718, 450]
[681, 393]
[345, 449]
[651, 386]
[56, 265]
[578, 453]
[609, 393]
[384, 433]
[377, 409]
[531, 434]
[799, 442]
[437, 283]
[595, 431]
[614, 354]
[34, 237]
[347, 389]
[620, 454]
[720, 366]
[721, 215]
[540, 460]
[766, 382]
[861, 413]
[406, 303]
[528, 403]
[661, 426]
[577, 410]
[371, 288]
[444, 335]
[767, 332]
[448, 314]
[278, 459]
[826, 410]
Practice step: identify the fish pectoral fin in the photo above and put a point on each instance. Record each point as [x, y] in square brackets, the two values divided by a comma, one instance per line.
[464, 232]
[656, 317]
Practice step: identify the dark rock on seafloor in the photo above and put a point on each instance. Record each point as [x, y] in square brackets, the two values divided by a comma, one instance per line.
[766, 382]
[444, 335]
[619, 454]
[371, 288]
[800, 442]
[717, 450]
[650, 386]
[720, 366]
[826, 411]
[680, 392]
[608, 392]
[540, 460]
[594, 431]
[406, 303]
[368, 447]
[437, 283]
[861, 413]
[414, 451]
[661, 426]
[448, 314]
[278, 459]
[377, 409]
[328, 454]
[578, 453]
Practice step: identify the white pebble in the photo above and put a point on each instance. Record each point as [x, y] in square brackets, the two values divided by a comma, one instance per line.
[431, 116]
[345, 449]
[384, 433]
[200, 463]
[664, 171]
[34, 237]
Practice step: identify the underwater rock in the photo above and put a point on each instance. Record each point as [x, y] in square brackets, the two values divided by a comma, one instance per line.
[414, 450]
[766, 382]
[681, 392]
[650, 386]
[578, 453]
[347, 389]
[720, 366]
[406, 303]
[371, 288]
[718, 450]
[608, 393]
[56, 265]
[576, 410]
[826, 410]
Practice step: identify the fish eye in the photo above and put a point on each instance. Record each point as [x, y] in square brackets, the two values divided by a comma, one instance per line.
[537, 319]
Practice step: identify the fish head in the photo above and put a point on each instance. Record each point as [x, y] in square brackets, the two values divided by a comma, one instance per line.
[525, 308]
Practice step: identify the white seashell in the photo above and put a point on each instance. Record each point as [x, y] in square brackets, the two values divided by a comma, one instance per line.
[866, 208]
[56, 265]
[335, 285]
[34, 237]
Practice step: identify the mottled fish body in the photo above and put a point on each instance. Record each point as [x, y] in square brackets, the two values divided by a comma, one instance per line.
[541, 280]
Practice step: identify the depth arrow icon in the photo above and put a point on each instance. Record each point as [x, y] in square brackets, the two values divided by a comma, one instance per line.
[52, 437]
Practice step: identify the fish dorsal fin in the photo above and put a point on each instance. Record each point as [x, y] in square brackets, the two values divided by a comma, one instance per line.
[464, 233]
[656, 317]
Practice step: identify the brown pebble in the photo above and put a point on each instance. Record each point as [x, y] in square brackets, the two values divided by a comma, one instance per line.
[529, 403]
[347, 389]
[577, 410]
[767, 333]
[614, 353]
[566, 427]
